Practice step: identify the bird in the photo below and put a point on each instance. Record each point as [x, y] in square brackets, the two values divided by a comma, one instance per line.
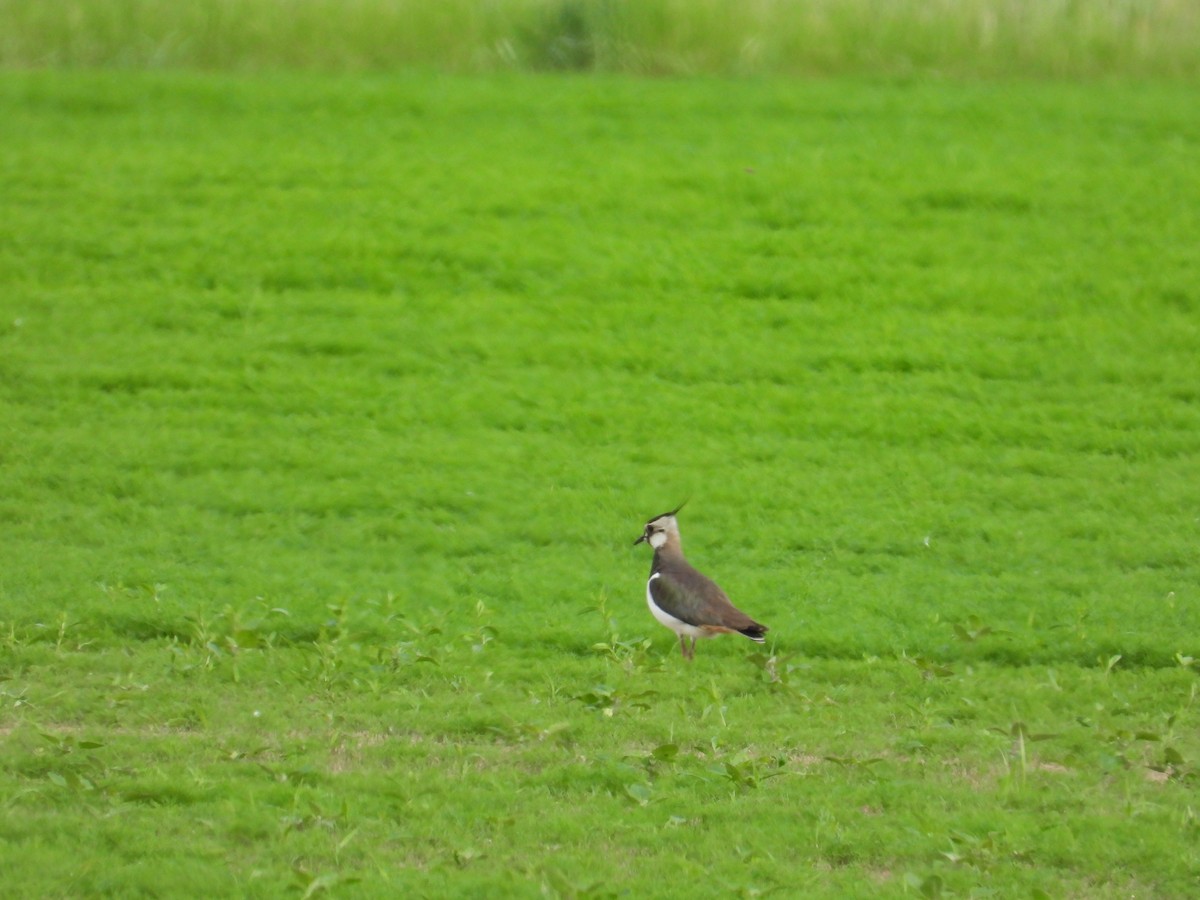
[682, 599]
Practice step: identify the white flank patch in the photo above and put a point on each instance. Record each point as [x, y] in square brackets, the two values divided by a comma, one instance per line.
[665, 618]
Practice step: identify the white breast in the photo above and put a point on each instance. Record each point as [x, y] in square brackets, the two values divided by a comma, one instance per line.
[665, 618]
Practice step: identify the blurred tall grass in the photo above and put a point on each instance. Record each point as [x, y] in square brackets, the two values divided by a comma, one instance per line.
[1070, 38]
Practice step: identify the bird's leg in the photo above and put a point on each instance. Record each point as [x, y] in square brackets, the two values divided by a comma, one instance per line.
[687, 646]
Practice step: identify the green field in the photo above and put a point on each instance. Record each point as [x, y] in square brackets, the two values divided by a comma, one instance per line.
[330, 407]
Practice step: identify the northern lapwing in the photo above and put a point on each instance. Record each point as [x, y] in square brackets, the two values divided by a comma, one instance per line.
[682, 599]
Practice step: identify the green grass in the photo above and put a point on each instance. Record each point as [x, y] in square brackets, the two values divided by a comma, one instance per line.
[329, 409]
[1086, 38]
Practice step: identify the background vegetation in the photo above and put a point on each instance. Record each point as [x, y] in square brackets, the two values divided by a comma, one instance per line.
[332, 402]
[991, 37]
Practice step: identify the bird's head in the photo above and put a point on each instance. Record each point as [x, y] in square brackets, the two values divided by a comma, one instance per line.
[661, 529]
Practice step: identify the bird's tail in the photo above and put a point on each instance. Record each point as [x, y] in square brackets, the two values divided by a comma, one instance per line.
[755, 632]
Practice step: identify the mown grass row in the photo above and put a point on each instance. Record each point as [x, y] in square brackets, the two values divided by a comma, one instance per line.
[962, 37]
[442, 763]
